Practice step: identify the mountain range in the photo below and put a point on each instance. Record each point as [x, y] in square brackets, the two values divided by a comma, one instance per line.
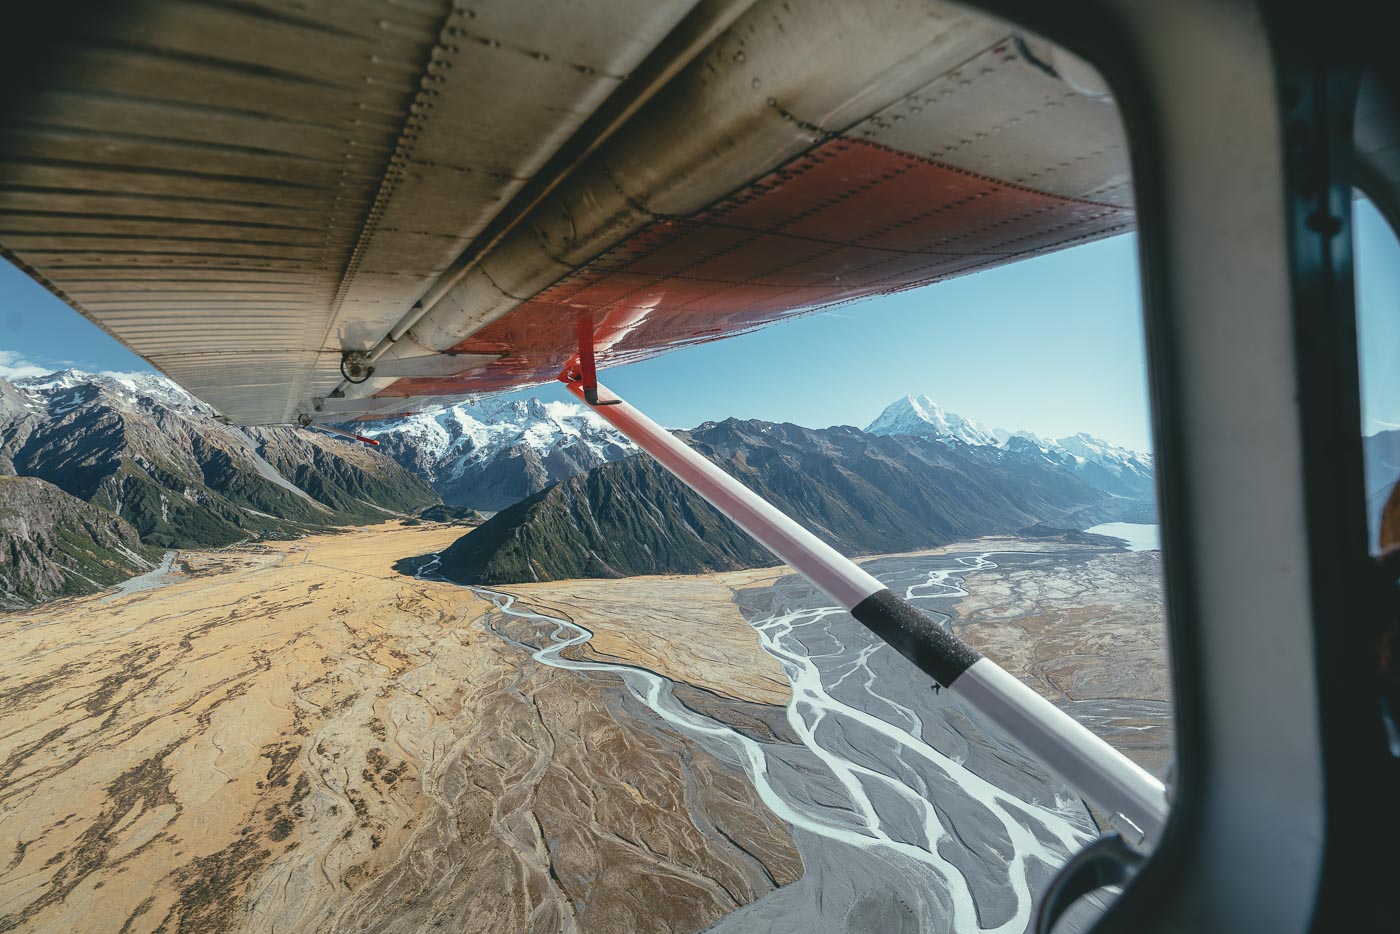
[864, 493]
[109, 457]
[109, 470]
[488, 455]
[1113, 469]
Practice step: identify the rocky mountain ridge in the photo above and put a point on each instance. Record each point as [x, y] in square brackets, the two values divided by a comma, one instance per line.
[150, 454]
[1115, 470]
[147, 453]
[56, 545]
[862, 493]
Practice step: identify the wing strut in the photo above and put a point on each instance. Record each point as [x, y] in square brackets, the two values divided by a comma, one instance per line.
[308, 423]
[1135, 801]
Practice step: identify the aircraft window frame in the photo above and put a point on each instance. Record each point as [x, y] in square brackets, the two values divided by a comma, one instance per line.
[1188, 78]
[1239, 115]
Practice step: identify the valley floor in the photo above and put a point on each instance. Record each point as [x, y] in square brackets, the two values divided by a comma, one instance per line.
[296, 738]
[293, 737]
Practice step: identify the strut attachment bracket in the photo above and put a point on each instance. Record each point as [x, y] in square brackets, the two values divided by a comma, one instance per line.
[582, 368]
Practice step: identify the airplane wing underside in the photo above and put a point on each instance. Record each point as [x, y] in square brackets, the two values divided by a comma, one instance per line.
[245, 193]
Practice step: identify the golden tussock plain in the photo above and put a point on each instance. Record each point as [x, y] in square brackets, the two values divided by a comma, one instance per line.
[294, 737]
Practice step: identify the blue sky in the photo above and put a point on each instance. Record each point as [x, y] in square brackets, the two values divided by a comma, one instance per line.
[39, 333]
[1378, 319]
[1053, 345]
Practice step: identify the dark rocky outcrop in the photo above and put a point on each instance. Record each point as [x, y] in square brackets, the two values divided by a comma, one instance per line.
[631, 517]
[55, 545]
[445, 513]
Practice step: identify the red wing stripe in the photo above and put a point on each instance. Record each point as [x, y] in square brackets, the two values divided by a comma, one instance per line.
[848, 220]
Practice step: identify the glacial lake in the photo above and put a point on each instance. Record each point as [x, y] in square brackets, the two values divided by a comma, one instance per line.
[1140, 536]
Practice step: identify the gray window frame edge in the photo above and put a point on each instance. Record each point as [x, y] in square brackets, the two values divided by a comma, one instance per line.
[1240, 119]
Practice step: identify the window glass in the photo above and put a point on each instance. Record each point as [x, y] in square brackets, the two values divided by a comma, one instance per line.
[501, 671]
[1377, 259]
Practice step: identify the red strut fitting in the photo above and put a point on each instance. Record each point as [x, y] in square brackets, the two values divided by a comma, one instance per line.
[582, 367]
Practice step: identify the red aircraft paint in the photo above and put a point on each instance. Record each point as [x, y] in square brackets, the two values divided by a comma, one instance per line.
[846, 221]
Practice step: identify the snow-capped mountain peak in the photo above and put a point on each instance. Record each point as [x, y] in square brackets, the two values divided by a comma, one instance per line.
[70, 388]
[59, 379]
[920, 415]
[1004, 437]
[1087, 446]
[491, 453]
[483, 427]
[1109, 467]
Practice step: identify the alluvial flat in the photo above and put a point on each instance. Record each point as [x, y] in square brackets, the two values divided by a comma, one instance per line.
[293, 737]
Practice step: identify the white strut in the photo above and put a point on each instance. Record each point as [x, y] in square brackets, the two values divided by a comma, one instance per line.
[1134, 800]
